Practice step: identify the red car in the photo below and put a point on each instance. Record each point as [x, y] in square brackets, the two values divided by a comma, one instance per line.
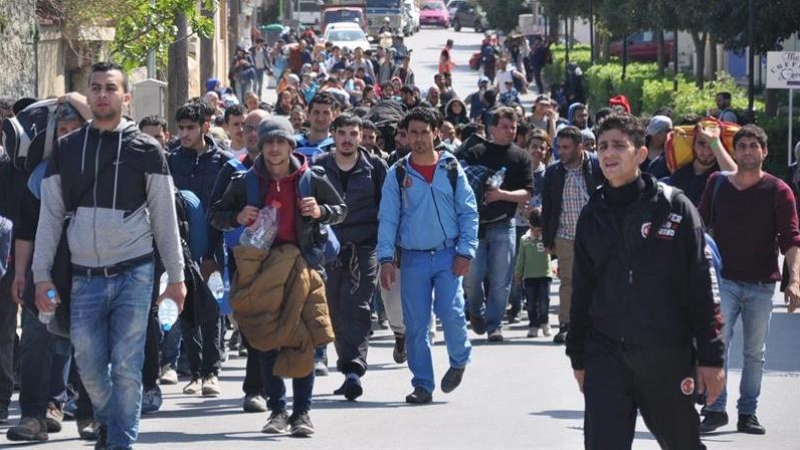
[434, 13]
[643, 46]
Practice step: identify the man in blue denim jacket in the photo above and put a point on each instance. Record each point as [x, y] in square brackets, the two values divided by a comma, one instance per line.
[433, 227]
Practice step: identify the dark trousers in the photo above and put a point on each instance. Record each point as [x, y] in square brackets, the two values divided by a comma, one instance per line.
[43, 366]
[537, 291]
[252, 384]
[537, 76]
[517, 295]
[202, 348]
[623, 378]
[8, 333]
[275, 390]
[349, 290]
[151, 349]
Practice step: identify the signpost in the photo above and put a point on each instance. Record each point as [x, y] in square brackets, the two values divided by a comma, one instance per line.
[783, 72]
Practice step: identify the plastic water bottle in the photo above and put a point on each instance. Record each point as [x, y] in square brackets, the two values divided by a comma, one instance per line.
[46, 316]
[216, 285]
[496, 180]
[167, 313]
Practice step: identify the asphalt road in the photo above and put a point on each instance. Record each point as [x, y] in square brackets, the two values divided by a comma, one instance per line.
[516, 395]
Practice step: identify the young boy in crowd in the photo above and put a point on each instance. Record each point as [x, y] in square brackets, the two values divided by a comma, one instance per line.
[533, 267]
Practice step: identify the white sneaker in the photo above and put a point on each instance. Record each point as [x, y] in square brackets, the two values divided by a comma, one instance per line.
[168, 375]
[533, 332]
[546, 331]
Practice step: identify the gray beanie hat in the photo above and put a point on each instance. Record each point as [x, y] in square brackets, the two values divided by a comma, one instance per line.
[276, 126]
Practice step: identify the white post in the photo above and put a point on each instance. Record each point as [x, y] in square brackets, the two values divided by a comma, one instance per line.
[791, 147]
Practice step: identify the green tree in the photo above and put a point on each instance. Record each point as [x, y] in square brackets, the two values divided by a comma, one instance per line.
[504, 14]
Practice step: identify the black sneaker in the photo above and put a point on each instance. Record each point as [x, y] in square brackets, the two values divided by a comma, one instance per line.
[3, 414]
[712, 421]
[478, 324]
[29, 429]
[102, 439]
[561, 337]
[301, 425]
[451, 379]
[277, 423]
[399, 354]
[748, 423]
[352, 388]
[419, 397]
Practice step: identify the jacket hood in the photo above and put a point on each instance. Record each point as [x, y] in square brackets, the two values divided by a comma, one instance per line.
[126, 127]
[451, 102]
[571, 112]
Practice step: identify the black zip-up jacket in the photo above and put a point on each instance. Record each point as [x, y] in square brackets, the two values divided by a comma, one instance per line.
[224, 211]
[198, 173]
[653, 290]
[554, 193]
[363, 196]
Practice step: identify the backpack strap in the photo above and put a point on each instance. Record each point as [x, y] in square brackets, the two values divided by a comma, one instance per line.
[717, 184]
[236, 164]
[253, 189]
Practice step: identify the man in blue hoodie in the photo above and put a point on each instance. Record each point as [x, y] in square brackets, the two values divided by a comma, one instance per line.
[431, 261]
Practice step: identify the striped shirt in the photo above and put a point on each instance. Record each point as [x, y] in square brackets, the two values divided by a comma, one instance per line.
[574, 197]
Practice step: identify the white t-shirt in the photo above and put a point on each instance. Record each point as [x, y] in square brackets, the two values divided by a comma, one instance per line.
[501, 78]
[239, 152]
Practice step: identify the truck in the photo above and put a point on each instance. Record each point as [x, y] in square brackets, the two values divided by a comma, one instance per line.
[335, 11]
[379, 10]
[307, 13]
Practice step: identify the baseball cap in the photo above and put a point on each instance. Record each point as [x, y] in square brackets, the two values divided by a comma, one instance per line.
[658, 124]
[483, 79]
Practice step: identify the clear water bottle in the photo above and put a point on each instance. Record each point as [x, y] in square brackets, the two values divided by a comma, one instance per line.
[496, 180]
[216, 285]
[167, 313]
[46, 316]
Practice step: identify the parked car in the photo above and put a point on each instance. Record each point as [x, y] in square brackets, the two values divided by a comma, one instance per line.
[346, 34]
[433, 12]
[643, 46]
[469, 14]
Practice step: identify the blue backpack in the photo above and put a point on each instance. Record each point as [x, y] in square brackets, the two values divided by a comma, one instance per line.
[332, 245]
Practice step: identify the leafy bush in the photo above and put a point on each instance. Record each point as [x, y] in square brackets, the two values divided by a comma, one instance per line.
[777, 129]
[605, 81]
[555, 73]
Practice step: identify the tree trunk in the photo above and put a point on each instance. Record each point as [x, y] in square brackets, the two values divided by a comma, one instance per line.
[699, 41]
[206, 50]
[605, 56]
[233, 27]
[571, 32]
[178, 71]
[660, 53]
[554, 28]
[713, 64]
[771, 102]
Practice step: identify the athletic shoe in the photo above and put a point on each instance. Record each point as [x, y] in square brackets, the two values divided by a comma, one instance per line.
[478, 324]
[495, 336]
[301, 425]
[29, 429]
[712, 421]
[748, 423]
[211, 386]
[321, 368]
[168, 375]
[88, 429]
[533, 332]
[561, 337]
[399, 354]
[194, 387]
[546, 330]
[254, 403]
[277, 423]
[53, 417]
[419, 397]
[352, 388]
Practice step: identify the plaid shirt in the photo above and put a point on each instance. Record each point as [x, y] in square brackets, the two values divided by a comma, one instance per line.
[574, 197]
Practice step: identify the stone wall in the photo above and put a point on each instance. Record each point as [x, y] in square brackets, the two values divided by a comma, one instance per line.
[17, 43]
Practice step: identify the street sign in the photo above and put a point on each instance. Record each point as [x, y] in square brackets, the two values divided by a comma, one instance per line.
[783, 70]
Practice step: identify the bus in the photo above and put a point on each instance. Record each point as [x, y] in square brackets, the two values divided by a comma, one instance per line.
[307, 13]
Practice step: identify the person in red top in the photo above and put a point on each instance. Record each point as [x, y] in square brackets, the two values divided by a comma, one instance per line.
[279, 172]
[752, 215]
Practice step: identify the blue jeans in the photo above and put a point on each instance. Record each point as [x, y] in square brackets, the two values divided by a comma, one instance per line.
[109, 326]
[425, 273]
[753, 302]
[275, 390]
[171, 345]
[537, 291]
[494, 262]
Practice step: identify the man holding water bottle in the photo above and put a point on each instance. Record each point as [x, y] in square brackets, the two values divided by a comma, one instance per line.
[114, 182]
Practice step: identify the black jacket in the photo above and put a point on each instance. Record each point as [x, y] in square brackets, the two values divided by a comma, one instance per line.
[363, 196]
[653, 290]
[198, 173]
[224, 211]
[554, 192]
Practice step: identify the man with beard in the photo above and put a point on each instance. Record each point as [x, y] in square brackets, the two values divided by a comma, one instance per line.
[435, 260]
[709, 157]
[322, 109]
[357, 176]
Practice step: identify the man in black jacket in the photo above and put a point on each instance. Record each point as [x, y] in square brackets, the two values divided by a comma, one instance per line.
[358, 177]
[645, 320]
[194, 167]
[567, 187]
